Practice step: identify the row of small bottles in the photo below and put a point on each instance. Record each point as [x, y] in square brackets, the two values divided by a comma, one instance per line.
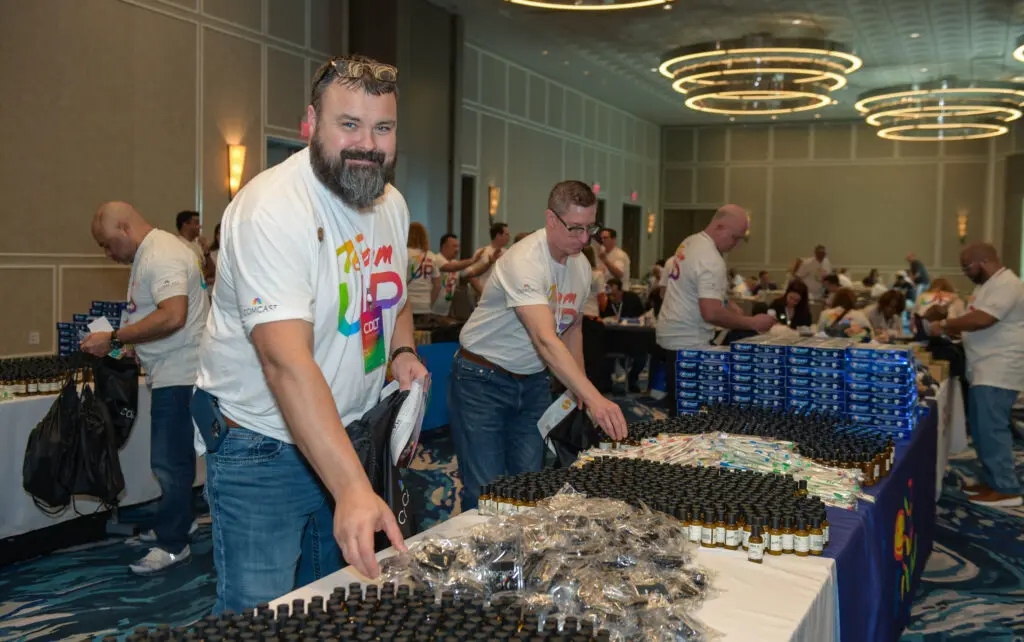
[872, 467]
[36, 376]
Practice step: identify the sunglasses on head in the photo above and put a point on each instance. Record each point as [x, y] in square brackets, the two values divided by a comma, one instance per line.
[348, 68]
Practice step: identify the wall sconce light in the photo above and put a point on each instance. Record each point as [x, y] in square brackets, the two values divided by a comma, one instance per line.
[236, 163]
[746, 235]
[650, 223]
[493, 200]
[961, 225]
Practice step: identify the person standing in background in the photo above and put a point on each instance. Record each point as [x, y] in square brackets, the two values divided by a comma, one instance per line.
[167, 306]
[211, 260]
[612, 260]
[918, 274]
[190, 233]
[993, 337]
[813, 271]
[452, 270]
[499, 239]
[423, 280]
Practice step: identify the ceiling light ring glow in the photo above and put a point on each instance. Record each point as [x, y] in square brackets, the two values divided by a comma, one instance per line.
[1018, 53]
[1002, 111]
[762, 44]
[793, 99]
[984, 130]
[944, 87]
[566, 6]
[812, 76]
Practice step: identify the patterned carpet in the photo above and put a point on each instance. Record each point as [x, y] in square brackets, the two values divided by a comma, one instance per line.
[973, 587]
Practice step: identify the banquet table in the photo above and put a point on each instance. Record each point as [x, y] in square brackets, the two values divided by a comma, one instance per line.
[19, 514]
[952, 427]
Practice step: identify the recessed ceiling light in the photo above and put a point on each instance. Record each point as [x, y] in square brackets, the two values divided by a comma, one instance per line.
[924, 70]
[545, 52]
[915, 35]
[774, 117]
[798, 21]
[817, 115]
[566, 62]
[654, 69]
[835, 102]
[667, 7]
[586, 73]
[732, 118]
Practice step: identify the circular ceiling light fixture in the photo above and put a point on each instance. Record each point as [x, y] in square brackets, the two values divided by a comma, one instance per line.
[759, 74]
[1018, 53]
[946, 109]
[590, 5]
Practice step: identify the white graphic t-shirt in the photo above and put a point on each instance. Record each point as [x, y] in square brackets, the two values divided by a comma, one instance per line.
[449, 282]
[696, 272]
[420, 279]
[290, 249]
[525, 275]
[619, 259]
[995, 355]
[163, 268]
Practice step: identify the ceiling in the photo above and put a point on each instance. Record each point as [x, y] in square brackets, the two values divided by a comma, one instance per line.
[611, 55]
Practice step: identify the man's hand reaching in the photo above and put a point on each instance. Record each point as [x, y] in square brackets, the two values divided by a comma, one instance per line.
[358, 514]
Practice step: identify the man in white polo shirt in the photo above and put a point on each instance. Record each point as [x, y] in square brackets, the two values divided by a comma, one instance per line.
[528, 320]
[697, 294]
[612, 259]
[813, 271]
[310, 303]
[167, 307]
[993, 337]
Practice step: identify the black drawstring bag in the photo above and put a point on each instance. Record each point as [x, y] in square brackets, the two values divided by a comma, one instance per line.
[117, 387]
[371, 438]
[571, 436]
[48, 470]
[98, 473]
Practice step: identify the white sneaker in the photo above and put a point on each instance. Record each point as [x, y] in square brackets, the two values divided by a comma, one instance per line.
[157, 559]
[150, 535]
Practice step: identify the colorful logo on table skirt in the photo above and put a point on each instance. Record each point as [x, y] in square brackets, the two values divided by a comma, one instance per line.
[258, 307]
[384, 288]
[564, 303]
[905, 549]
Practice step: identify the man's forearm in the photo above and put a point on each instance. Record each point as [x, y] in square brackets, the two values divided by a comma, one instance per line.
[970, 322]
[616, 271]
[723, 317]
[458, 266]
[403, 333]
[566, 366]
[574, 341]
[155, 325]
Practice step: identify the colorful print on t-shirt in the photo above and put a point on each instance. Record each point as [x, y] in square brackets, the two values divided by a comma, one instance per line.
[377, 289]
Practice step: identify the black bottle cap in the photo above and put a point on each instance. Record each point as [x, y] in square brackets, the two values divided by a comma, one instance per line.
[815, 522]
[788, 521]
[732, 519]
[755, 530]
[776, 522]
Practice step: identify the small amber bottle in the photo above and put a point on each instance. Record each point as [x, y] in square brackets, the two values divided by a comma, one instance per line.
[755, 545]
[484, 500]
[801, 490]
[774, 536]
[868, 468]
[732, 533]
[707, 529]
[801, 538]
[747, 528]
[816, 538]
[876, 462]
[695, 525]
[787, 534]
[825, 529]
[720, 529]
[892, 453]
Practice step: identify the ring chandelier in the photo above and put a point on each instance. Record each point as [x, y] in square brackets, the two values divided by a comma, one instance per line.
[1018, 53]
[759, 74]
[947, 109]
[591, 5]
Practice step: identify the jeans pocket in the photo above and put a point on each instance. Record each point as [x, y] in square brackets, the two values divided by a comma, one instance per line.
[245, 448]
[468, 371]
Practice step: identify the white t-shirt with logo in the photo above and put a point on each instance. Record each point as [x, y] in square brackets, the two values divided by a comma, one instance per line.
[291, 249]
[449, 283]
[592, 308]
[696, 272]
[995, 355]
[194, 246]
[525, 275]
[164, 268]
[619, 259]
[422, 271]
[485, 257]
[812, 273]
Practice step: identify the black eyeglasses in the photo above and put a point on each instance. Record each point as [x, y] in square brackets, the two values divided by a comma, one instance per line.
[589, 230]
[348, 68]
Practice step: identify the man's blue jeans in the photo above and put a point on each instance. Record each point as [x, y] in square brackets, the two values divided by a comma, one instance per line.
[172, 459]
[273, 524]
[494, 424]
[988, 410]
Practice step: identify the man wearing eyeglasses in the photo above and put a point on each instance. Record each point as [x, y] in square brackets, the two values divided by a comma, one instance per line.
[310, 303]
[697, 291]
[528, 320]
[993, 336]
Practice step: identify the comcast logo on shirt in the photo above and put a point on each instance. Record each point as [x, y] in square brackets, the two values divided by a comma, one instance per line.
[258, 307]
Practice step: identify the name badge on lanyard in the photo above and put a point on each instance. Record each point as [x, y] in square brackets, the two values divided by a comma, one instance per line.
[372, 322]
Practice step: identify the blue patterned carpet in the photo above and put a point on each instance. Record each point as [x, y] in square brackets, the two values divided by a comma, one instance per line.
[973, 586]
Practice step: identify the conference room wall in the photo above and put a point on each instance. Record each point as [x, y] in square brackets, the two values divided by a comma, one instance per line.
[134, 100]
[869, 200]
[523, 132]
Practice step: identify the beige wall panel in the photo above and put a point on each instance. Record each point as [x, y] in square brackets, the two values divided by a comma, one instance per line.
[1004, 144]
[998, 201]
[653, 147]
[556, 106]
[245, 13]
[590, 120]
[231, 115]
[286, 19]
[327, 26]
[869, 145]
[534, 165]
[615, 129]
[710, 144]
[867, 215]
[748, 188]
[678, 186]
[918, 149]
[493, 82]
[517, 92]
[79, 287]
[538, 99]
[589, 165]
[832, 141]
[1017, 132]
[650, 196]
[792, 142]
[573, 116]
[467, 137]
[286, 89]
[748, 143]
[679, 145]
[29, 291]
[491, 172]
[711, 185]
[963, 188]
[955, 148]
[470, 74]
[573, 161]
[634, 181]
[603, 174]
[113, 126]
[629, 135]
[193, 5]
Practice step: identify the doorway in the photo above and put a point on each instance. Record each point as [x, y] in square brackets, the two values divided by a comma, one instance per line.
[632, 219]
[467, 216]
[279, 149]
[600, 212]
[680, 223]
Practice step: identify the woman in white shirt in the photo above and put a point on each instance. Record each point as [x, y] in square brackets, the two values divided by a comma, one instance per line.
[939, 301]
[842, 320]
[423, 281]
[886, 316]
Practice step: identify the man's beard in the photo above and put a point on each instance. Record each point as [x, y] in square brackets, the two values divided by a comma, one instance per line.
[979, 278]
[356, 185]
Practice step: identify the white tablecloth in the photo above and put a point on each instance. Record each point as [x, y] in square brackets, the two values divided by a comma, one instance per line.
[18, 513]
[952, 427]
[785, 598]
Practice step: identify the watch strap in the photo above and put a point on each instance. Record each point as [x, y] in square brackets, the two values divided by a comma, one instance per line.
[402, 350]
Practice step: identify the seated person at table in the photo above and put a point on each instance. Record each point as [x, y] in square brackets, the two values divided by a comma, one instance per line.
[842, 320]
[831, 283]
[793, 309]
[886, 316]
[763, 284]
[844, 279]
[623, 304]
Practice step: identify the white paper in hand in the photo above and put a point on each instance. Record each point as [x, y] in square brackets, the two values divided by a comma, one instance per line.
[406, 434]
[100, 324]
[555, 413]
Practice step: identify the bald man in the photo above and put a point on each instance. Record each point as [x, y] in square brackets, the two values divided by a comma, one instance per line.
[167, 306]
[697, 291]
[993, 337]
[813, 270]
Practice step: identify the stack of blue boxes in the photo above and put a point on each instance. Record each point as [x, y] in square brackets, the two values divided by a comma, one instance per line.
[70, 334]
[881, 387]
[702, 378]
[759, 371]
[817, 375]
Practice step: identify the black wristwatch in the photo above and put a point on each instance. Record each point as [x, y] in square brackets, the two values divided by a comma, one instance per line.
[402, 350]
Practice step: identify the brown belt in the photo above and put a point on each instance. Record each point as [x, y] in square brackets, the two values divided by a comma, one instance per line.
[482, 361]
[231, 423]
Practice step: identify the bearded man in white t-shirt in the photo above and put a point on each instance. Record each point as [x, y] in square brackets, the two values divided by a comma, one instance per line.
[528, 320]
[310, 303]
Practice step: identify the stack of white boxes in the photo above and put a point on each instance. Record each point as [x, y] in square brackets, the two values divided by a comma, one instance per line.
[702, 378]
[759, 371]
[70, 334]
[817, 375]
[881, 383]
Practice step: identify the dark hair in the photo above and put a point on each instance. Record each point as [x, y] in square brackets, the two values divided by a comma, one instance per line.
[660, 263]
[844, 298]
[216, 241]
[616, 282]
[871, 278]
[831, 279]
[444, 239]
[803, 309]
[892, 300]
[497, 228]
[762, 273]
[327, 74]
[568, 193]
[184, 217]
[612, 233]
